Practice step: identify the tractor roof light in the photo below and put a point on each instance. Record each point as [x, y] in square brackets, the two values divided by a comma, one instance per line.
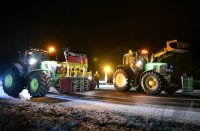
[144, 52]
[51, 49]
[32, 61]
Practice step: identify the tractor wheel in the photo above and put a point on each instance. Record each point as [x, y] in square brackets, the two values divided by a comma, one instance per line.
[12, 83]
[152, 83]
[38, 84]
[121, 80]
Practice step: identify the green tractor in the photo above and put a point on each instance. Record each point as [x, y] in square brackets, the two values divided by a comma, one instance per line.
[37, 73]
[149, 75]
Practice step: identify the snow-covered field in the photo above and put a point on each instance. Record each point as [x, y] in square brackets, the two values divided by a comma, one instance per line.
[77, 114]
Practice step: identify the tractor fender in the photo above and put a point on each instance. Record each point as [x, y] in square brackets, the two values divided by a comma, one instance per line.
[45, 71]
[144, 73]
[19, 67]
[129, 71]
[126, 68]
[119, 66]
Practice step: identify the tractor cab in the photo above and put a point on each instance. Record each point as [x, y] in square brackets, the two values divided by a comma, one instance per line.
[136, 59]
[31, 58]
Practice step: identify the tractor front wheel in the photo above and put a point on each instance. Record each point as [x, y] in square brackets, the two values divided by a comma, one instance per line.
[152, 83]
[38, 84]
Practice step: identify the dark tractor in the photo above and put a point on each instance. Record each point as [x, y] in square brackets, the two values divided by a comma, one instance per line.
[26, 73]
[151, 76]
[37, 73]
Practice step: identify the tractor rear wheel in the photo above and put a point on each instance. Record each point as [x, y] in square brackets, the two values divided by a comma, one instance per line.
[12, 83]
[121, 80]
[38, 84]
[152, 83]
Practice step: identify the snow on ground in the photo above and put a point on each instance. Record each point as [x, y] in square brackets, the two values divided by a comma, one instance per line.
[4, 95]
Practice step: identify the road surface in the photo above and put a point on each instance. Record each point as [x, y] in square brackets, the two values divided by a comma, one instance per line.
[179, 106]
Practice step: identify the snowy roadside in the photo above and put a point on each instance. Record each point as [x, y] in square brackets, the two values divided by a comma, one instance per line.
[17, 114]
[2, 94]
[76, 114]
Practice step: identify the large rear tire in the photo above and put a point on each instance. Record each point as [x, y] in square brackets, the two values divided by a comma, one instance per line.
[12, 80]
[121, 80]
[38, 84]
[152, 83]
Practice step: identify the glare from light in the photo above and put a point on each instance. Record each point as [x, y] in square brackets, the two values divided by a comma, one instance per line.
[130, 51]
[95, 59]
[139, 63]
[51, 49]
[107, 69]
[32, 61]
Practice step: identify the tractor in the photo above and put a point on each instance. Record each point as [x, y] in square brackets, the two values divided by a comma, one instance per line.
[35, 72]
[150, 75]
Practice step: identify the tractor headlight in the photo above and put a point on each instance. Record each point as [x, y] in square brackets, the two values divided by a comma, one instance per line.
[139, 63]
[32, 61]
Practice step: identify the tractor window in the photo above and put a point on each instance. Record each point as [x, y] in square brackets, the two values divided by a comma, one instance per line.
[129, 59]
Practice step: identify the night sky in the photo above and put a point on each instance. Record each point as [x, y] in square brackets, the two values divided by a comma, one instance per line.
[104, 31]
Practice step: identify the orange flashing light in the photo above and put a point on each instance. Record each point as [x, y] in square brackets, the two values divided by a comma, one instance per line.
[144, 52]
[51, 49]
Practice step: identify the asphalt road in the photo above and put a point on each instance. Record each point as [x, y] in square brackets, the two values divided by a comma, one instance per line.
[177, 107]
[178, 100]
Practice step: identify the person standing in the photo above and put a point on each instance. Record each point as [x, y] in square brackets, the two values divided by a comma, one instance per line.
[96, 78]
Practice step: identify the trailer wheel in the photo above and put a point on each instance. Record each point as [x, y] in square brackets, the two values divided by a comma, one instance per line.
[152, 83]
[121, 80]
[12, 83]
[38, 84]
